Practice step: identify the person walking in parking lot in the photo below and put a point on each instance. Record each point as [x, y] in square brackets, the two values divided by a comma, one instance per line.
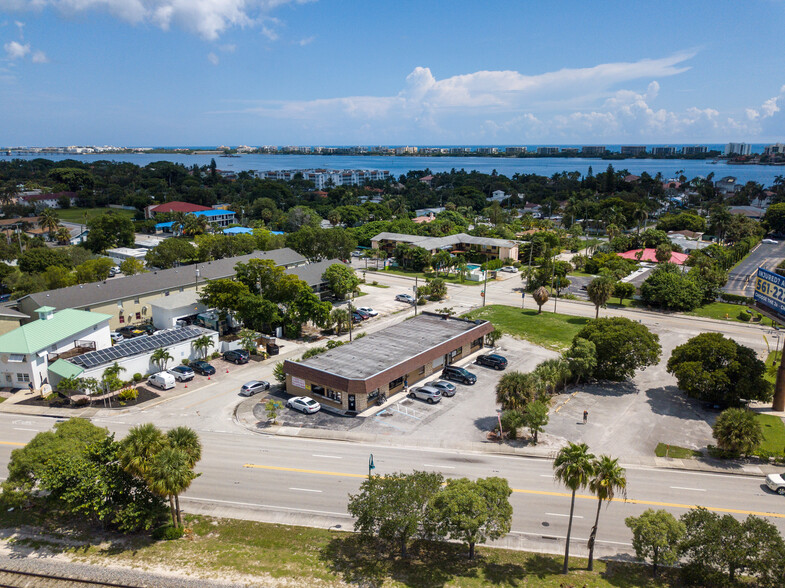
[585, 416]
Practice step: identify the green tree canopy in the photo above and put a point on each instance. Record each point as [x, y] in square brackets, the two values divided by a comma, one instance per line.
[670, 289]
[655, 537]
[622, 345]
[341, 279]
[472, 512]
[714, 368]
[393, 507]
[171, 252]
[36, 260]
[109, 230]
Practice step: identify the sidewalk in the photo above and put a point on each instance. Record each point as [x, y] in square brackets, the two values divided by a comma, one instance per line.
[243, 416]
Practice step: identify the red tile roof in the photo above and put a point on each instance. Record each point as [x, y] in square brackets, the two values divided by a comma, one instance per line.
[649, 255]
[177, 206]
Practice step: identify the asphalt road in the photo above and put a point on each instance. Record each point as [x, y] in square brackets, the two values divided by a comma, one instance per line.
[307, 482]
[741, 279]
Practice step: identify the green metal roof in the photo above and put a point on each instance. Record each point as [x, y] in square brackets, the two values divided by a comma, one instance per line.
[46, 309]
[40, 335]
[65, 369]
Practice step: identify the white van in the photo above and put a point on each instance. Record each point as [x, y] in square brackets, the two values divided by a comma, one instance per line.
[162, 380]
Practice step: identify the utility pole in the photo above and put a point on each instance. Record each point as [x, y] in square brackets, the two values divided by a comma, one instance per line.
[350, 320]
[485, 287]
[415, 295]
[529, 274]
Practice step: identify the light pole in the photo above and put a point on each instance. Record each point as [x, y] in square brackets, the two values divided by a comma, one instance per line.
[414, 288]
[370, 466]
[501, 431]
[485, 287]
[350, 321]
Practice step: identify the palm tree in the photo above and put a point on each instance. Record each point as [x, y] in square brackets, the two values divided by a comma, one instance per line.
[161, 357]
[573, 467]
[63, 236]
[340, 318]
[139, 448]
[49, 221]
[202, 345]
[170, 475]
[609, 477]
[195, 225]
[186, 440]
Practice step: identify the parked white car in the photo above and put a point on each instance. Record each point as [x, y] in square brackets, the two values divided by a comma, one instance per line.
[776, 482]
[368, 310]
[303, 404]
[509, 269]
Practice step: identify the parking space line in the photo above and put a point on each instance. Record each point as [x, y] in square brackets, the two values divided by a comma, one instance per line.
[566, 401]
[430, 465]
[556, 514]
[683, 488]
[21, 429]
[327, 456]
[305, 490]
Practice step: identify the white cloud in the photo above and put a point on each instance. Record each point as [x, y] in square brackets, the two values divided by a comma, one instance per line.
[766, 110]
[207, 18]
[306, 41]
[15, 50]
[213, 58]
[40, 57]
[509, 106]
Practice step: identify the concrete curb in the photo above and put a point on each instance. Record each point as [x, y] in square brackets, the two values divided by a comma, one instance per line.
[732, 468]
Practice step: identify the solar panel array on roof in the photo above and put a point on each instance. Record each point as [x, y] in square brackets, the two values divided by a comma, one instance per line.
[135, 346]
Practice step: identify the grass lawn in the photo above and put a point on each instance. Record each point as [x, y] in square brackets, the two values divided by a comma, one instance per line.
[554, 331]
[773, 433]
[375, 285]
[451, 279]
[675, 451]
[719, 310]
[278, 555]
[76, 215]
[576, 274]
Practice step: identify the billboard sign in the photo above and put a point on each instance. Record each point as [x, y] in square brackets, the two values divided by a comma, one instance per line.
[770, 290]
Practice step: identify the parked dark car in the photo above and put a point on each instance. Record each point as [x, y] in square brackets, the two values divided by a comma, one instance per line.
[237, 356]
[365, 316]
[357, 318]
[493, 360]
[458, 374]
[131, 331]
[202, 368]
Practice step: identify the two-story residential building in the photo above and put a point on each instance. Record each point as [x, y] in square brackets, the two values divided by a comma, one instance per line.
[52, 200]
[127, 299]
[26, 352]
[460, 243]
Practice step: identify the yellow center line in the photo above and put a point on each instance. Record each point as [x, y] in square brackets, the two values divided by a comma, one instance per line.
[12, 443]
[540, 492]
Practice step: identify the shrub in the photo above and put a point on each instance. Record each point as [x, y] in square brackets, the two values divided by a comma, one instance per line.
[744, 316]
[735, 298]
[215, 355]
[128, 395]
[185, 361]
[81, 401]
[138, 377]
[167, 533]
[511, 421]
[360, 336]
[421, 301]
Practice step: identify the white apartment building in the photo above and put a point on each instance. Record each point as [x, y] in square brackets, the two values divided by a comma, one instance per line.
[323, 178]
[738, 149]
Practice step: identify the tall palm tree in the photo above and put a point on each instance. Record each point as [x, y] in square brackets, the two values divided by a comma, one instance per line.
[195, 225]
[170, 475]
[49, 221]
[573, 467]
[202, 345]
[63, 236]
[161, 357]
[609, 478]
[186, 440]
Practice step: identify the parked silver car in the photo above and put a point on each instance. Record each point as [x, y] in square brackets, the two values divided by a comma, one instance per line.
[447, 388]
[430, 394]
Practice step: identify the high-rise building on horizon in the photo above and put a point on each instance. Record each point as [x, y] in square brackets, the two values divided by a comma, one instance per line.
[738, 149]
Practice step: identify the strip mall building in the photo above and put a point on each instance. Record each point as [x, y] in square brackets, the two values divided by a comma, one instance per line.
[349, 378]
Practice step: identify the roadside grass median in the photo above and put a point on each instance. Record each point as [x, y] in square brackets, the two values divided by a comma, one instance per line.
[554, 331]
[773, 434]
[725, 311]
[450, 278]
[676, 452]
[282, 555]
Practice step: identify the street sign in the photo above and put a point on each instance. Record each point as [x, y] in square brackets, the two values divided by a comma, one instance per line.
[770, 290]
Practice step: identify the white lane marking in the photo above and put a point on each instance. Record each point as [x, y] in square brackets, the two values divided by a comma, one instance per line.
[546, 475]
[20, 429]
[571, 538]
[556, 514]
[324, 512]
[683, 488]
[305, 490]
[327, 456]
[430, 465]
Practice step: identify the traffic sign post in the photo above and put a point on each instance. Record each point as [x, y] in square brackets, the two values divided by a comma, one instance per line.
[523, 299]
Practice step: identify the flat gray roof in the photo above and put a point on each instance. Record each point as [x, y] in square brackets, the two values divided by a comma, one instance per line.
[442, 242]
[382, 350]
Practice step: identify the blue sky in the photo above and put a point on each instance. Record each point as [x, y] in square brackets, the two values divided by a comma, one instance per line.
[281, 72]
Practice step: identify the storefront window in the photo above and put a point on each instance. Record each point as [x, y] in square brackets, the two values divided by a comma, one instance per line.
[326, 393]
[396, 383]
